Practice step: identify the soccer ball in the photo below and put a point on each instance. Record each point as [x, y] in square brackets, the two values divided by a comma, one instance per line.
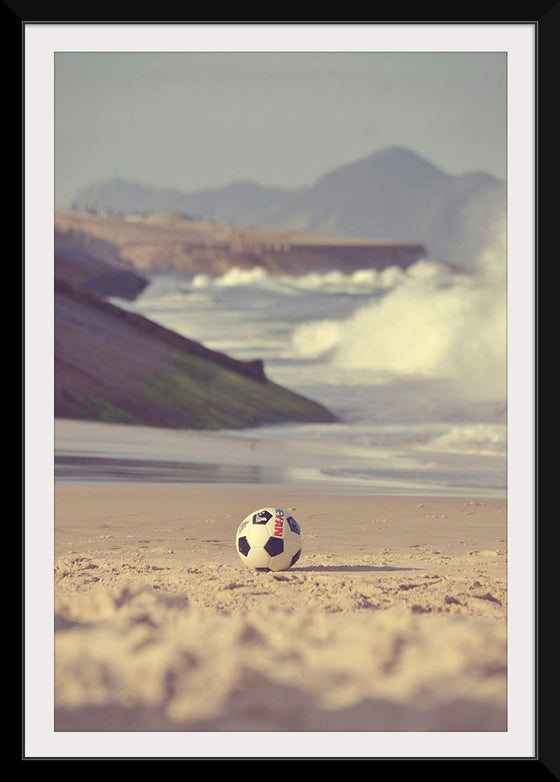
[269, 539]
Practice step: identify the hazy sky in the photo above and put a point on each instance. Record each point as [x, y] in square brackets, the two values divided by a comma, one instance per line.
[198, 120]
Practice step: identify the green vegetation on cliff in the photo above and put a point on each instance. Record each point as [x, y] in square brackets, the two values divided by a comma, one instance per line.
[113, 366]
[202, 394]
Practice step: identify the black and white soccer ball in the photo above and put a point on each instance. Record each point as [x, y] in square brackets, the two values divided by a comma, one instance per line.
[269, 539]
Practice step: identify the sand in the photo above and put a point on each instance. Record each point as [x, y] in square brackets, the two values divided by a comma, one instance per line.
[393, 619]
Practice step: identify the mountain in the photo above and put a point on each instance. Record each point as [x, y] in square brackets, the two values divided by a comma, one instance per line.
[119, 196]
[240, 203]
[392, 195]
[231, 204]
[396, 195]
[116, 366]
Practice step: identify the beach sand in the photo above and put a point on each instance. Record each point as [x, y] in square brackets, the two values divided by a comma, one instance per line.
[393, 619]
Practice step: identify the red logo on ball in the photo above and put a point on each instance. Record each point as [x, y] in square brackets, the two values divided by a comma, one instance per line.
[279, 524]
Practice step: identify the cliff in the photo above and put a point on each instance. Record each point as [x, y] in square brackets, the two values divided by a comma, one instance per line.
[163, 244]
[116, 366]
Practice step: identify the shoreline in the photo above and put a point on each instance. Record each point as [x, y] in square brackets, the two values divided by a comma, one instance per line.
[93, 452]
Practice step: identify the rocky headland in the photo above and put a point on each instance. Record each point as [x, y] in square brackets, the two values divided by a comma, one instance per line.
[170, 243]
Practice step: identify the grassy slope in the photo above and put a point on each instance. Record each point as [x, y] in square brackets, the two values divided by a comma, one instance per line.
[204, 394]
[112, 368]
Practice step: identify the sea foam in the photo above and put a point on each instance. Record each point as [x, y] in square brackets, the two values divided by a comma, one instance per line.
[428, 323]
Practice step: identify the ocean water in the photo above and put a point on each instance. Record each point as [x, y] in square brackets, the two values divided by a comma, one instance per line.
[413, 362]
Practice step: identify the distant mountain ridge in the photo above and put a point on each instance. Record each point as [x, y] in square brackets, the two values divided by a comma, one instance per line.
[394, 194]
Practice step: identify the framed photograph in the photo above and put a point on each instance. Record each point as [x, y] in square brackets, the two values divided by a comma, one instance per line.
[280, 389]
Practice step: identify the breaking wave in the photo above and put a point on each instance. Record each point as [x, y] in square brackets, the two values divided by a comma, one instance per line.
[483, 439]
[361, 281]
[413, 361]
[427, 324]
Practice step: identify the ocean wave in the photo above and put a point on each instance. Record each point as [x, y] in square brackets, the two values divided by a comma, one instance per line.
[427, 325]
[473, 439]
[366, 328]
[333, 281]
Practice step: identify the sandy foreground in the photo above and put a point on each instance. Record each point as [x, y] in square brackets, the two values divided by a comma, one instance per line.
[393, 619]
